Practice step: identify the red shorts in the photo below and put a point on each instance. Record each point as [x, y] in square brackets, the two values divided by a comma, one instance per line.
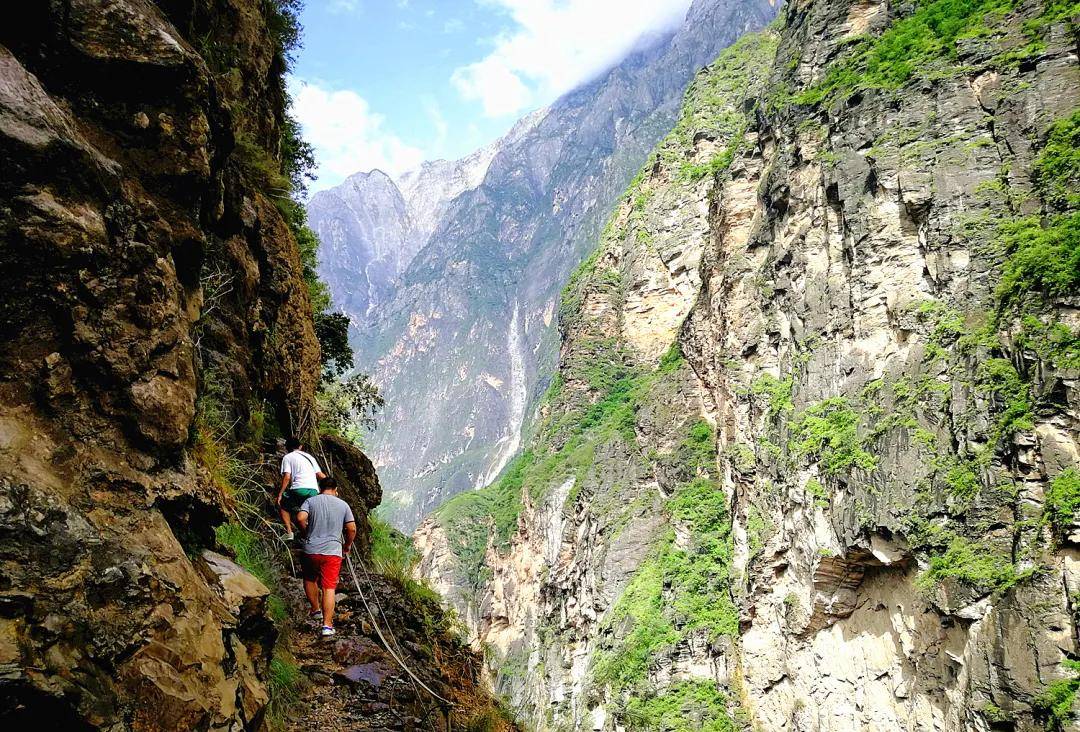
[323, 569]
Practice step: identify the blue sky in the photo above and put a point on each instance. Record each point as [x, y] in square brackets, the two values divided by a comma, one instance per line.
[389, 83]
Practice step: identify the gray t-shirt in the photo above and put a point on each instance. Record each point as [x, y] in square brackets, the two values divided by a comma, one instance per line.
[327, 516]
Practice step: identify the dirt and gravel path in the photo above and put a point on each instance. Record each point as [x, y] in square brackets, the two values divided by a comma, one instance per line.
[354, 683]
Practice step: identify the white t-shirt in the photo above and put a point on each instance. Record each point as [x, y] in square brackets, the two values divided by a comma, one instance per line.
[302, 467]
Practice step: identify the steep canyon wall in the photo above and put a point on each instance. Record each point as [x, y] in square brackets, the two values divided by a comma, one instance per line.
[157, 337]
[810, 462]
[444, 339]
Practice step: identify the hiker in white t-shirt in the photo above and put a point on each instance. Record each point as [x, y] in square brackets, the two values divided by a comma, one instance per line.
[300, 476]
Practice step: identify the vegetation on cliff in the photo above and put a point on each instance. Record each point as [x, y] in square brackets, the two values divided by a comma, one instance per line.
[925, 43]
[609, 418]
[944, 435]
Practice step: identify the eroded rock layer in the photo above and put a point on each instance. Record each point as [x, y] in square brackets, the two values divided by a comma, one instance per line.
[121, 192]
[811, 459]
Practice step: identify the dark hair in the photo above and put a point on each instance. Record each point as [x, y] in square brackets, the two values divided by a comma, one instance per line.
[293, 443]
[329, 483]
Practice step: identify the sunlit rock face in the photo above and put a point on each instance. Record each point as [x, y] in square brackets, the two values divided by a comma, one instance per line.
[151, 257]
[465, 341]
[810, 461]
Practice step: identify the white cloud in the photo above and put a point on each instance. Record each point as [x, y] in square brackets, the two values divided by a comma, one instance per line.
[557, 45]
[347, 135]
[453, 25]
[494, 84]
[344, 6]
[438, 122]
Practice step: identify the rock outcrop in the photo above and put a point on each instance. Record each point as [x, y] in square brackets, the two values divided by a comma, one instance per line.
[467, 342]
[149, 262]
[157, 333]
[810, 462]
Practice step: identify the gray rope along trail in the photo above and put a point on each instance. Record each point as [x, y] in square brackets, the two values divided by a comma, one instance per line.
[389, 648]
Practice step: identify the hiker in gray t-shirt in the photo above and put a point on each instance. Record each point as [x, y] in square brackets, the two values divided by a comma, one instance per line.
[323, 519]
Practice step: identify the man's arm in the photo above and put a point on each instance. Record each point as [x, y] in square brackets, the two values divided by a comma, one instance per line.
[302, 519]
[286, 479]
[320, 474]
[350, 536]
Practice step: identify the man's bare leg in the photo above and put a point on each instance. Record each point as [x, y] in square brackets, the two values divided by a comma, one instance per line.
[286, 518]
[328, 608]
[311, 589]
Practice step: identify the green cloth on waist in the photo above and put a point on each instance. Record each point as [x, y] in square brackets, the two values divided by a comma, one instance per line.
[294, 498]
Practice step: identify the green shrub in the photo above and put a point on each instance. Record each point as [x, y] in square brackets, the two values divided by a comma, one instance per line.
[974, 565]
[999, 377]
[1057, 169]
[1055, 343]
[995, 714]
[1044, 257]
[715, 165]
[672, 360]
[817, 490]
[615, 410]
[1062, 505]
[686, 706]
[1056, 703]
[911, 46]
[829, 431]
[349, 405]
[393, 555]
[962, 480]
[776, 391]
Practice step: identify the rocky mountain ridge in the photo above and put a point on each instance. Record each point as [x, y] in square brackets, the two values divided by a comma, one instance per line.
[810, 462]
[467, 341]
[371, 225]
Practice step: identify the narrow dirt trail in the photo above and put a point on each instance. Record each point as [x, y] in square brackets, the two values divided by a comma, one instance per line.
[353, 683]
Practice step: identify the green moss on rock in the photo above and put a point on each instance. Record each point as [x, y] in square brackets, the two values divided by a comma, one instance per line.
[972, 564]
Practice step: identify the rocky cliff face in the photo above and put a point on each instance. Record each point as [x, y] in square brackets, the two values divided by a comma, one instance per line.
[467, 342]
[157, 330]
[811, 461]
[123, 206]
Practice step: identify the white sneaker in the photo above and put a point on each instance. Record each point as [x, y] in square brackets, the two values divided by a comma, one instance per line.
[290, 536]
[327, 631]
